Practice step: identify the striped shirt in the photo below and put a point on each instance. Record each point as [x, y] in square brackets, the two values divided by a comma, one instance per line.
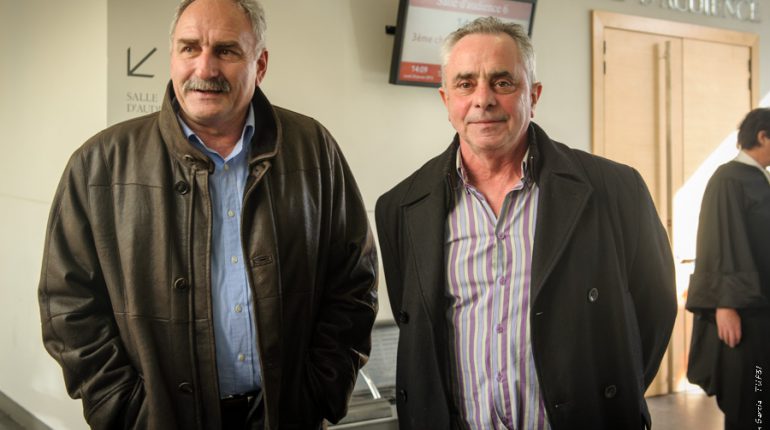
[488, 274]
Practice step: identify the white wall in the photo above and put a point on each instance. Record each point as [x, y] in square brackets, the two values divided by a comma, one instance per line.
[329, 59]
[52, 96]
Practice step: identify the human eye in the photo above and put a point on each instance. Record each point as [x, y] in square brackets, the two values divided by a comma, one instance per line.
[504, 85]
[464, 85]
[228, 52]
[186, 49]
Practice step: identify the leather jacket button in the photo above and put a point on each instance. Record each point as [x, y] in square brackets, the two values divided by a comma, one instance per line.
[402, 395]
[185, 387]
[593, 295]
[610, 391]
[403, 317]
[182, 187]
[180, 284]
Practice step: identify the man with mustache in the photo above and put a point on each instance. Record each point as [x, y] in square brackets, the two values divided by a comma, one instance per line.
[533, 284]
[210, 265]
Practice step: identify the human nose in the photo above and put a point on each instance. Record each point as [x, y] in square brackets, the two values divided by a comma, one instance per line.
[484, 97]
[207, 65]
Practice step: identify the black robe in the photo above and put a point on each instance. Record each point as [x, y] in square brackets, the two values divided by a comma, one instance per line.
[732, 270]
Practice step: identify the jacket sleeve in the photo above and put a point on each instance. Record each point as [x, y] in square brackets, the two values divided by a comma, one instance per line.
[342, 340]
[79, 329]
[652, 283]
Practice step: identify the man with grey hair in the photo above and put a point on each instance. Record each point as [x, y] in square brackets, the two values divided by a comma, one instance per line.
[532, 283]
[210, 265]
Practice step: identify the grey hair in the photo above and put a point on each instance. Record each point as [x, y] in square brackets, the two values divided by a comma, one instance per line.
[492, 25]
[253, 10]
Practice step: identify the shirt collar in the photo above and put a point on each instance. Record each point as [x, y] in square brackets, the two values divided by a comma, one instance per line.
[747, 159]
[244, 142]
[526, 176]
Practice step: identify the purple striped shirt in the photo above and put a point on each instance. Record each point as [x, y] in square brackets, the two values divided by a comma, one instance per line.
[488, 274]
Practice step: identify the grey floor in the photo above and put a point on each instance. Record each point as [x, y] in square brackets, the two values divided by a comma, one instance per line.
[683, 411]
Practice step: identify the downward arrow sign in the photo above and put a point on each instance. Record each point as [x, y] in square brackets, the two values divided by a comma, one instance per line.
[132, 71]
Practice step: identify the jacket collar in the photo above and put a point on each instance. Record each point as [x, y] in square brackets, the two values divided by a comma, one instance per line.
[264, 143]
[564, 193]
[441, 169]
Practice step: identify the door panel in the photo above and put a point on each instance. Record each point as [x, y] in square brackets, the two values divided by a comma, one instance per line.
[717, 96]
[632, 114]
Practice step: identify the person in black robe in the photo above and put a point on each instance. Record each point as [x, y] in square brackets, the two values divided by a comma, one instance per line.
[729, 291]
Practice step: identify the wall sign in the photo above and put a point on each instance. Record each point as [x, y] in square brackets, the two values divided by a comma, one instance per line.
[742, 10]
[137, 56]
[423, 24]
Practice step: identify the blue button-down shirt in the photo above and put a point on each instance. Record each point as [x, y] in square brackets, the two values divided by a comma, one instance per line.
[234, 329]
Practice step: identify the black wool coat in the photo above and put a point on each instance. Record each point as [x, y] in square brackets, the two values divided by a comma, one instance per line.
[603, 289]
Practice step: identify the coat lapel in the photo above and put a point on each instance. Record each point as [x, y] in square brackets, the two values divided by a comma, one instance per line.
[425, 210]
[424, 213]
[564, 194]
[425, 221]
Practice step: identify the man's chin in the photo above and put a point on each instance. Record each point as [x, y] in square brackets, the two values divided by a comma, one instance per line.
[491, 143]
[202, 116]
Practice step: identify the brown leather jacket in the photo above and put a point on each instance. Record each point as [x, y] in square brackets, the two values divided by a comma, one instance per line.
[125, 291]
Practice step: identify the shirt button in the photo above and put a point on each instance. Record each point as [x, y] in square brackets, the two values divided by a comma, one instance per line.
[593, 295]
[499, 328]
[500, 376]
[241, 357]
[610, 391]
[238, 308]
[185, 387]
[230, 213]
[501, 236]
[234, 259]
[226, 167]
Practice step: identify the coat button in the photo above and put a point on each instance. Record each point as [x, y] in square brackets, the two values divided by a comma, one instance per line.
[180, 284]
[403, 317]
[185, 387]
[402, 395]
[593, 295]
[182, 187]
[610, 391]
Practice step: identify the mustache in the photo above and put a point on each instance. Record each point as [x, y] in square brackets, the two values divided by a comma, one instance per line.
[219, 84]
[497, 118]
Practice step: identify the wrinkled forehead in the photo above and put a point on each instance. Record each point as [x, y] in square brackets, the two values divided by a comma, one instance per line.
[214, 21]
[484, 53]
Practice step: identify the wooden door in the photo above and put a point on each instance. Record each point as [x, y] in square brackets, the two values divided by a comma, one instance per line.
[716, 95]
[666, 97]
[636, 74]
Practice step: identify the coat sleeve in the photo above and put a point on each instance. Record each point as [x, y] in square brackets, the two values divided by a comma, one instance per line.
[725, 273]
[79, 329]
[342, 339]
[652, 283]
